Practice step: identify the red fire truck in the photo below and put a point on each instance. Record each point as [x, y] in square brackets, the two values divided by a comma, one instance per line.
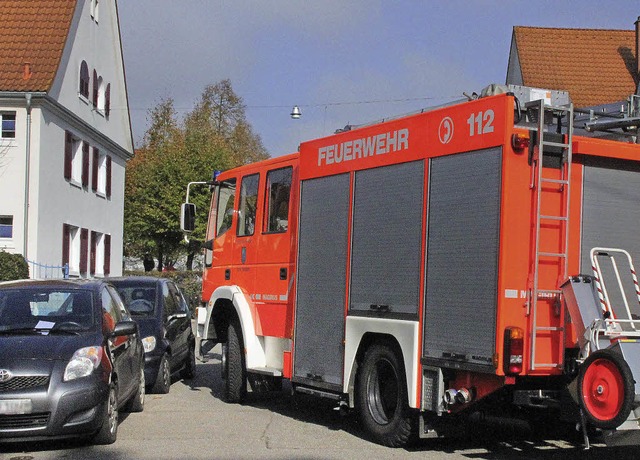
[475, 257]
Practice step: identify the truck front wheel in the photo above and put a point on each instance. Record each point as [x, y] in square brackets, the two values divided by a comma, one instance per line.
[233, 363]
[381, 397]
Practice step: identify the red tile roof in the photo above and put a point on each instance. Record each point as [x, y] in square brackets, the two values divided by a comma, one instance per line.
[32, 32]
[596, 66]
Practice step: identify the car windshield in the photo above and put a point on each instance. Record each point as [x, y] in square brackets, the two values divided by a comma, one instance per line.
[140, 299]
[46, 310]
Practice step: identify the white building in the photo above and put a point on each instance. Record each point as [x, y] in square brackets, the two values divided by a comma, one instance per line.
[65, 134]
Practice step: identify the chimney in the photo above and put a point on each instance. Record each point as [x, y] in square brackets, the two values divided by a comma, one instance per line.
[27, 68]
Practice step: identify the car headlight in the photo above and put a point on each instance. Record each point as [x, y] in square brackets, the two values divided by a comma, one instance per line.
[83, 362]
[149, 343]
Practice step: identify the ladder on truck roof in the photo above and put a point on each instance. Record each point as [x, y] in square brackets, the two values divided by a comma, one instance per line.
[553, 149]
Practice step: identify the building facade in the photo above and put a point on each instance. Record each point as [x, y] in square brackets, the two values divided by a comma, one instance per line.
[66, 134]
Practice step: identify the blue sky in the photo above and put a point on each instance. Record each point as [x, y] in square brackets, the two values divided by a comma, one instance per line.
[350, 61]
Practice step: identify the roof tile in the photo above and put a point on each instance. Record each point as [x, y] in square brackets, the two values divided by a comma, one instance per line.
[33, 32]
[596, 66]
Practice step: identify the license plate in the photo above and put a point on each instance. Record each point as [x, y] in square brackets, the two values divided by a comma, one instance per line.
[15, 406]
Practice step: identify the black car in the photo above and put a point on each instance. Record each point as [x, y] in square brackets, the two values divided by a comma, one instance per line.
[164, 319]
[70, 359]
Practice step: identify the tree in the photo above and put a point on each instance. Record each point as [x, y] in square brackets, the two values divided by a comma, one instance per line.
[214, 135]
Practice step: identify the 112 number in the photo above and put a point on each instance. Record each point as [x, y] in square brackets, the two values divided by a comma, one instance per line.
[481, 123]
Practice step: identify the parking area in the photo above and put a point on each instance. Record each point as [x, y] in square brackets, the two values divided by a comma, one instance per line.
[192, 422]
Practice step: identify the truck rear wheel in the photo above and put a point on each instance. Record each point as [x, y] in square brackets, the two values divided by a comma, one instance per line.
[381, 397]
[235, 386]
[606, 389]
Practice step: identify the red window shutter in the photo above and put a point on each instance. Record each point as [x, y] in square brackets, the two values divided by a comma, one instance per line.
[92, 259]
[107, 255]
[107, 100]
[84, 243]
[65, 244]
[68, 154]
[94, 169]
[85, 164]
[108, 185]
[95, 88]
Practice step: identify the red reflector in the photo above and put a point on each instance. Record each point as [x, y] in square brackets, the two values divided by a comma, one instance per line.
[513, 350]
[519, 142]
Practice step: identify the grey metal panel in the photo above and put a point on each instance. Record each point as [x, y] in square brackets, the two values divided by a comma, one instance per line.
[462, 257]
[321, 289]
[611, 217]
[387, 230]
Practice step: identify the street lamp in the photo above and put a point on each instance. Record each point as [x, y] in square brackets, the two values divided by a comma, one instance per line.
[295, 112]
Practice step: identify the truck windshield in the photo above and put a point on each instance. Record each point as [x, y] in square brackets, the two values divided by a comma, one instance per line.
[224, 210]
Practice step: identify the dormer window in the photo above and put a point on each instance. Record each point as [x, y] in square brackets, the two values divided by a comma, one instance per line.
[84, 80]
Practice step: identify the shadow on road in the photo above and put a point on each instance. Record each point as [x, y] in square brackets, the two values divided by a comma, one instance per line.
[474, 440]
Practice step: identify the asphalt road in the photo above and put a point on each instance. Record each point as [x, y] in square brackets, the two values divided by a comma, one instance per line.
[192, 422]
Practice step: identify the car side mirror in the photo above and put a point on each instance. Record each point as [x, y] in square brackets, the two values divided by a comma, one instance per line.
[208, 245]
[125, 328]
[187, 217]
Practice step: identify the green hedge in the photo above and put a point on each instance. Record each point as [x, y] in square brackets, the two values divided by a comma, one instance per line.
[13, 267]
[189, 282]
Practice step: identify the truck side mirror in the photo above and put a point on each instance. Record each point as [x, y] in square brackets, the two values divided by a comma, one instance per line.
[187, 217]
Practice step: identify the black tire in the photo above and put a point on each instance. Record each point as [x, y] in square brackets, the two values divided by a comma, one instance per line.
[162, 385]
[109, 430]
[235, 387]
[381, 398]
[224, 367]
[189, 369]
[136, 403]
[606, 389]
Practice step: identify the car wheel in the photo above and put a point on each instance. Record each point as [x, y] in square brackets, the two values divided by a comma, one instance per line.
[163, 380]
[189, 370]
[235, 386]
[382, 401]
[109, 430]
[136, 403]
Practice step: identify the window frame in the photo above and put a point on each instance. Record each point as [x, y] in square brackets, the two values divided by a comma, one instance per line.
[83, 88]
[5, 116]
[5, 225]
[228, 211]
[242, 229]
[267, 213]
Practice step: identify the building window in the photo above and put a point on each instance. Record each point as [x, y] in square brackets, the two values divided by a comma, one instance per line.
[94, 99]
[101, 90]
[84, 80]
[6, 226]
[99, 172]
[97, 254]
[76, 160]
[107, 100]
[71, 248]
[248, 205]
[277, 200]
[8, 122]
[94, 9]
